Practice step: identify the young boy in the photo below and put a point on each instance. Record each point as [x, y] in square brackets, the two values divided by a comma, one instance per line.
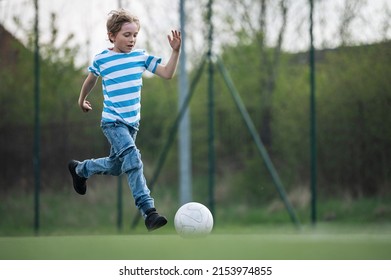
[121, 68]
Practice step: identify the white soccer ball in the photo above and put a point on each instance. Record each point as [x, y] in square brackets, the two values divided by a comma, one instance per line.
[193, 219]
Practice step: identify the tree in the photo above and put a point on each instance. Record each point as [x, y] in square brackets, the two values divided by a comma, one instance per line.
[349, 13]
[255, 26]
[60, 85]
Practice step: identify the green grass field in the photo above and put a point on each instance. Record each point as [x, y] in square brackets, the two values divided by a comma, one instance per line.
[237, 246]
[358, 230]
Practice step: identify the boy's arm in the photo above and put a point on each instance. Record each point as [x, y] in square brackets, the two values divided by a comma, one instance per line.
[88, 85]
[167, 71]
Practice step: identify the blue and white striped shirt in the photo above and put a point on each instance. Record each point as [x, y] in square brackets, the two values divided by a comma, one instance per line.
[121, 83]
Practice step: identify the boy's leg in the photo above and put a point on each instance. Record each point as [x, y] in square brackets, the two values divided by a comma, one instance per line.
[81, 171]
[103, 166]
[133, 167]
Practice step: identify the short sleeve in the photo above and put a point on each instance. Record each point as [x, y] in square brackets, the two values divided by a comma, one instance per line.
[152, 62]
[94, 68]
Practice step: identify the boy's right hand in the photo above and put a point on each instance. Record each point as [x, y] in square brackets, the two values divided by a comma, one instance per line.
[85, 106]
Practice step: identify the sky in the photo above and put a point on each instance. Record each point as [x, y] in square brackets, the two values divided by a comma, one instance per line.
[86, 19]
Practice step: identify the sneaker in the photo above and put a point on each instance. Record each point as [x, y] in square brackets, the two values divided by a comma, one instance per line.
[79, 183]
[154, 220]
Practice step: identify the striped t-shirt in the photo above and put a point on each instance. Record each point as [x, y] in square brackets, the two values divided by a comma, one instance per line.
[121, 82]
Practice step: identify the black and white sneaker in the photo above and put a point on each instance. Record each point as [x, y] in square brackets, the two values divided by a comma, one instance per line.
[79, 183]
[154, 220]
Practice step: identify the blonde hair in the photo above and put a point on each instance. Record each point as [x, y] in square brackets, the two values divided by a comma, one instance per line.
[117, 18]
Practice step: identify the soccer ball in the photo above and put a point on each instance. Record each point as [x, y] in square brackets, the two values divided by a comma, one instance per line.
[193, 219]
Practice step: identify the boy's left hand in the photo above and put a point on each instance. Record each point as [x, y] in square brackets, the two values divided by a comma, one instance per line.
[175, 40]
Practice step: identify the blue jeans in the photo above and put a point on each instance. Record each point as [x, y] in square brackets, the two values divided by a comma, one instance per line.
[124, 158]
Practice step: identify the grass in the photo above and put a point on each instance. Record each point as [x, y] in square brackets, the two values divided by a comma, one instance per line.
[75, 227]
[217, 246]
[64, 212]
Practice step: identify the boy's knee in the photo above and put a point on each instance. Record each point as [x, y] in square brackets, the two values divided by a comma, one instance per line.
[131, 159]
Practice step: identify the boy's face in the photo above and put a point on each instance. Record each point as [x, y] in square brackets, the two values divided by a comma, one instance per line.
[125, 39]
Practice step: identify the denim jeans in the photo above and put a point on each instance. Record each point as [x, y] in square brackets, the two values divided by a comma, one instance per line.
[124, 158]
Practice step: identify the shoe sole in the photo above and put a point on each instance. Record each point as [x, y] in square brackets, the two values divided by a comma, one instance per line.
[71, 167]
[160, 222]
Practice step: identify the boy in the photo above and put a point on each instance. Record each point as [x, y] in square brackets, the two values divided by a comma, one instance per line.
[121, 69]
